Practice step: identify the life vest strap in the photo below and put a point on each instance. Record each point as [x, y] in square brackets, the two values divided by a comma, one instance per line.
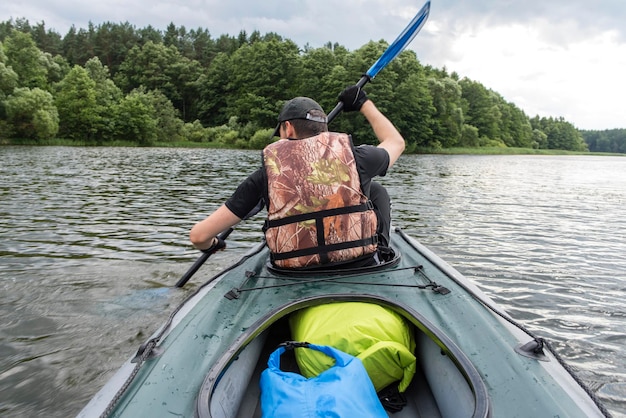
[301, 217]
[324, 249]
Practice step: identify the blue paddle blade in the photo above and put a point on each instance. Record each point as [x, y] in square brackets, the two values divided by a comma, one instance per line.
[142, 300]
[401, 41]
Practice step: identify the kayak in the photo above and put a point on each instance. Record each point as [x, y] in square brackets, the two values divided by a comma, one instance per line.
[472, 358]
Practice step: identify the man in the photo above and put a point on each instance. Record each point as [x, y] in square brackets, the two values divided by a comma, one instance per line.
[317, 189]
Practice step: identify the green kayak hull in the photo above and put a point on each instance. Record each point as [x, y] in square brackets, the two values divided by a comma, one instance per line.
[474, 359]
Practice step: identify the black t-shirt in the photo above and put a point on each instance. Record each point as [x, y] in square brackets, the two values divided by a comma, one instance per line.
[371, 161]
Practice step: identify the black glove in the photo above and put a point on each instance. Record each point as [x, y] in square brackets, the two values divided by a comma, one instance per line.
[353, 98]
[217, 246]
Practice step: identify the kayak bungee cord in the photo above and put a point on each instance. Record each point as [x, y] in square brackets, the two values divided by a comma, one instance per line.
[235, 292]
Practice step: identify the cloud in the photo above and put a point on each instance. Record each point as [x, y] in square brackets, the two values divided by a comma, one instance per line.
[537, 67]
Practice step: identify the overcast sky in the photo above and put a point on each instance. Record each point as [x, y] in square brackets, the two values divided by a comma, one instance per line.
[550, 57]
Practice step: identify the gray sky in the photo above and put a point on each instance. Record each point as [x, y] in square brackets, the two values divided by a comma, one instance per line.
[549, 57]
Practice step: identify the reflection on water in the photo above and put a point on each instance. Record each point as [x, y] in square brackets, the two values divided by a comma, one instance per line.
[91, 241]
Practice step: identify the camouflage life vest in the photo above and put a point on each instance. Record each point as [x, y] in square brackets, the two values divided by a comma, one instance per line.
[317, 212]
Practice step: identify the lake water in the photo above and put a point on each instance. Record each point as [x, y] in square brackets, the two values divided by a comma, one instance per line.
[92, 241]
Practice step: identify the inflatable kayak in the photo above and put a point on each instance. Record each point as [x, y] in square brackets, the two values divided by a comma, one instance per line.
[471, 358]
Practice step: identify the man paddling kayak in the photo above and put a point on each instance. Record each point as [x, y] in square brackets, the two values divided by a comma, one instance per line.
[323, 207]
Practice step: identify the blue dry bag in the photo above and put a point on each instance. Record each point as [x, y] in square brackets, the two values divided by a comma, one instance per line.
[344, 390]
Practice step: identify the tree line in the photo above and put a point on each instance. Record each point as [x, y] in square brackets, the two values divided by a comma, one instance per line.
[115, 83]
[609, 140]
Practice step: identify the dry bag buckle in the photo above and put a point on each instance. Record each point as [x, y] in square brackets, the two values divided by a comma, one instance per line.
[290, 345]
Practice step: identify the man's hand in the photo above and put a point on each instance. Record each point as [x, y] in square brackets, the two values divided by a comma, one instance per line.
[217, 245]
[353, 98]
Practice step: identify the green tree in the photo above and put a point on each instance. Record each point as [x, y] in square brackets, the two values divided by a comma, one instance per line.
[8, 83]
[413, 112]
[195, 132]
[157, 67]
[112, 42]
[247, 78]
[226, 44]
[146, 66]
[78, 109]
[32, 113]
[168, 123]
[100, 75]
[26, 59]
[149, 33]
[262, 74]
[8, 77]
[560, 134]
[469, 136]
[135, 119]
[447, 121]
[318, 77]
[57, 66]
[107, 96]
[186, 73]
[362, 59]
[46, 40]
[203, 47]
[78, 45]
[400, 91]
[481, 109]
[515, 129]
[261, 138]
[540, 139]
[329, 88]
[213, 90]
[182, 39]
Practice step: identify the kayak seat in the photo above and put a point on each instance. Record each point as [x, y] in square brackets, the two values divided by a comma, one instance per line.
[392, 258]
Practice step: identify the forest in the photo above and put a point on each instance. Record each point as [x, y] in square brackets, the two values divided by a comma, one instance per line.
[115, 84]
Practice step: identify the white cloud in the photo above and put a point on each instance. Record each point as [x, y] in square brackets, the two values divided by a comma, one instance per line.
[580, 81]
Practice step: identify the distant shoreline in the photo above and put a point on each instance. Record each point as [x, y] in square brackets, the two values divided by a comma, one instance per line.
[424, 151]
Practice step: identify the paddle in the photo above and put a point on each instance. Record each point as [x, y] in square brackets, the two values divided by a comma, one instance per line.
[390, 53]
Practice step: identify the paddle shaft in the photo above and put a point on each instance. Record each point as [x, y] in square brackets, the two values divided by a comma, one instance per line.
[333, 113]
[200, 261]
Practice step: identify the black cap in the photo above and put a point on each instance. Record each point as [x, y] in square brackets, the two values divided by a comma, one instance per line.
[299, 108]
